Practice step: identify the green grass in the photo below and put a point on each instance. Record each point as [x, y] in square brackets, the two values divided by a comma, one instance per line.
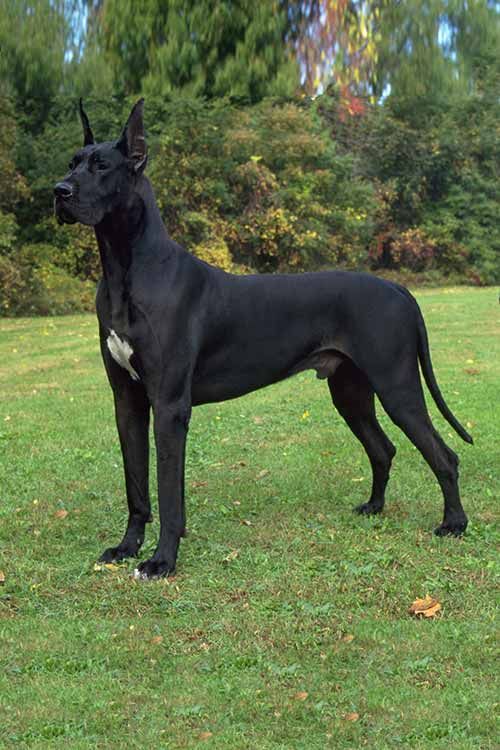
[280, 588]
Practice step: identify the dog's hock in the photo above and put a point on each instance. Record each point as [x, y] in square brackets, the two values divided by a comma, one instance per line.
[121, 351]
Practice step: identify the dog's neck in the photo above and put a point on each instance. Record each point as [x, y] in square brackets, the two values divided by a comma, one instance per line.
[122, 236]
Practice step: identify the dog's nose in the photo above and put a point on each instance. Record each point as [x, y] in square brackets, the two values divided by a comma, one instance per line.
[63, 190]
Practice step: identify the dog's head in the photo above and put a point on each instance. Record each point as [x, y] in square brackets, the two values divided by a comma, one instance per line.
[101, 176]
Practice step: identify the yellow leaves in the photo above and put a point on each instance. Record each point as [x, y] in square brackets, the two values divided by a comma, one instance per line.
[262, 474]
[232, 556]
[348, 638]
[426, 607]
[305, 415]
[60, 514]
[2, 577]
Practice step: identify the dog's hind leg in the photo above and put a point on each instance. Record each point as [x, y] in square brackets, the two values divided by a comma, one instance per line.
[403, 400]
[353, 396]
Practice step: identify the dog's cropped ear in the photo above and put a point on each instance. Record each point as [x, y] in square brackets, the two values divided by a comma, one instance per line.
[88, 136]
[132, 142]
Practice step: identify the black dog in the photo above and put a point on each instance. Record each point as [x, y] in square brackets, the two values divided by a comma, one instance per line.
[176, 332]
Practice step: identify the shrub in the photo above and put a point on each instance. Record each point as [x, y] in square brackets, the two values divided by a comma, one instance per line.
[31, 284]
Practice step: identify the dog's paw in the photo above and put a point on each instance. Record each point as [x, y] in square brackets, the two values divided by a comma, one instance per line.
[452, 528]
[116, 554]
[368, 509]
[154, 568]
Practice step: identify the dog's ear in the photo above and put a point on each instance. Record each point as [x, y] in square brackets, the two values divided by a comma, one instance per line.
[132, 142]
[88, 136]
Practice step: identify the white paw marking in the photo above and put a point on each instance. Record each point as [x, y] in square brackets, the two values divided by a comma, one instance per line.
[121, 351]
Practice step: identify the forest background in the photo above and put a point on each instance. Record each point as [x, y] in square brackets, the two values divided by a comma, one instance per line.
[283, 136]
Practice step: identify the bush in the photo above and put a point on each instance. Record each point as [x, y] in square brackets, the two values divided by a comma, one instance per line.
[30, 284]
[52, 291]
[267, 181]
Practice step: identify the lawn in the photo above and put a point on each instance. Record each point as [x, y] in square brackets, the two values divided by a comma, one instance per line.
[286, 626]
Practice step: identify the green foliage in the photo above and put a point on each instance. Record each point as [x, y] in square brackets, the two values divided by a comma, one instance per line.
[199, 48]
[266, 180]
[33, 36]
[34, 281]
[432, 50]
[438, 179]
[409, 184]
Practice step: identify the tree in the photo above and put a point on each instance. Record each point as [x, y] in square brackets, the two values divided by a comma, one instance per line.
[431, 50]
[199, 48]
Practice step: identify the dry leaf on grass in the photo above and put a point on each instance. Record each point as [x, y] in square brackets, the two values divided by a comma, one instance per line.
[427, 607]
[232, 555]
[262, 474]
[157, 639]
[61, 513]
[348, 638]
[301, 695]
[352, 716]
[204, 735]
[2, 577]
[105, 566]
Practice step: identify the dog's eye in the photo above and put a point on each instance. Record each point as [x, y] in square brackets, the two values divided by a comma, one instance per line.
[102, 165]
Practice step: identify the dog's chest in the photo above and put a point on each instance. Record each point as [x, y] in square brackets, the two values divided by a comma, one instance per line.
[121, 351]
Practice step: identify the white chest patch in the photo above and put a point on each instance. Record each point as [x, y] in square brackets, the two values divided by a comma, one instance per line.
[121, 351]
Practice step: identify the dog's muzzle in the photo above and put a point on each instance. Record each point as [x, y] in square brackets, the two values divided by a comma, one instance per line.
[63, 192]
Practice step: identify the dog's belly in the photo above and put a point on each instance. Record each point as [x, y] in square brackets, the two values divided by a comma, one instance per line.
[224, 383]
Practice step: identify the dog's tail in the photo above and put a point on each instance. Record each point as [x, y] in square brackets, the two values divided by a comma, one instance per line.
[424, 357]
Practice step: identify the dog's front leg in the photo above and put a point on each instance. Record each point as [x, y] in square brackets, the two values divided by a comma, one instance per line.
[132, 419]
[171, 421]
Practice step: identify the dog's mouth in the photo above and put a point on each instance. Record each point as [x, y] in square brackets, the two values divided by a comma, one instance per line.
[62, 213]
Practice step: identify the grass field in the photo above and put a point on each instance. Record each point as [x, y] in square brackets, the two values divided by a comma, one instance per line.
[287, 624]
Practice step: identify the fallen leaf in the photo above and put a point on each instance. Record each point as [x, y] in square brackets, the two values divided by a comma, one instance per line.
[111, 566]
[301, 695]
[157, 639]
[472, 371]
[305, 415]
[245, 522]
[258, 420]
[61, 513]
[352, 716]
[204, 735]
[199, 484]
[427, 607]
[262, 474]
[232, 555]
[348, 638]
[2, 577]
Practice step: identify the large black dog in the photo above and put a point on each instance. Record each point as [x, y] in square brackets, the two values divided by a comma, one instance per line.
[176, 332]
